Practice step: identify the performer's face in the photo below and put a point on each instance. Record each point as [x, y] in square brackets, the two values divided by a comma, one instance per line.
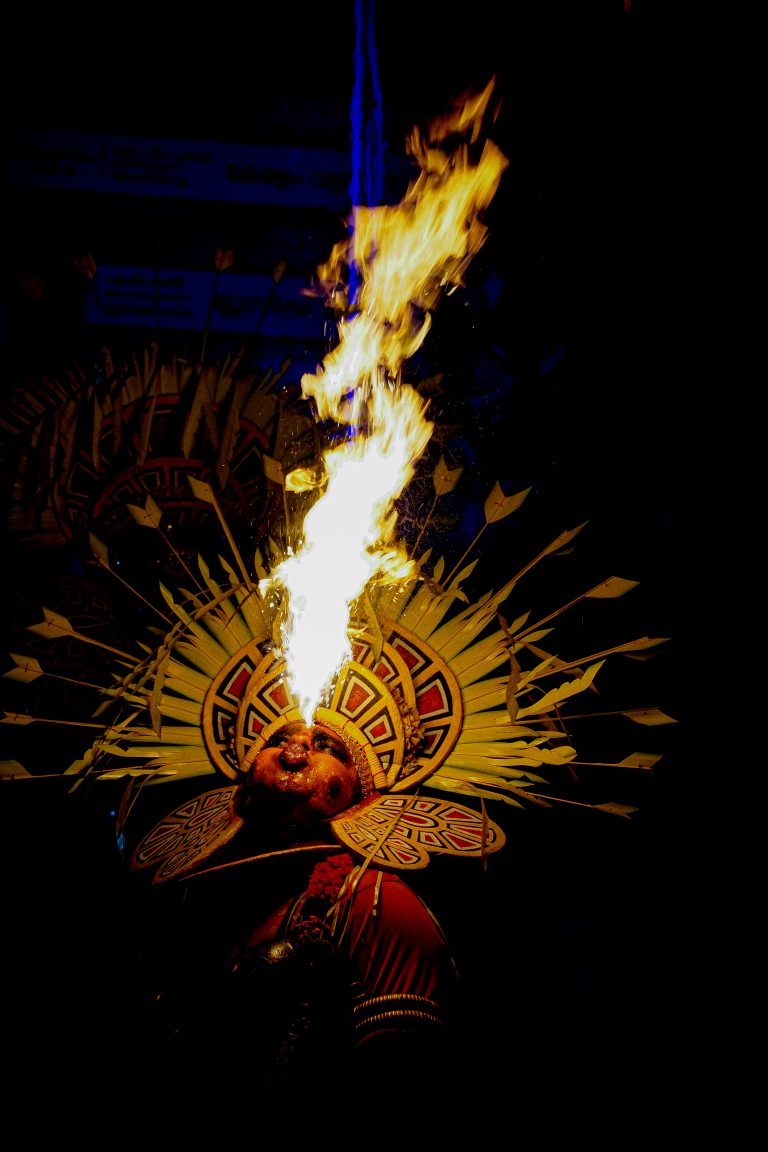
[304, 774]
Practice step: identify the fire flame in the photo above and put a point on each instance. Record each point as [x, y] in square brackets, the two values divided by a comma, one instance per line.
[405, 256]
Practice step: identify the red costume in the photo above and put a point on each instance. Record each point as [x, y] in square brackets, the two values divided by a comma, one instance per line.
[400, 971]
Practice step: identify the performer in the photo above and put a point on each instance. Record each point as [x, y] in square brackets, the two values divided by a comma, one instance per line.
[351, 971]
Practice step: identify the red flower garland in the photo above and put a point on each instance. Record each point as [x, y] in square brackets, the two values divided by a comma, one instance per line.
[328, 876]
[308, 921]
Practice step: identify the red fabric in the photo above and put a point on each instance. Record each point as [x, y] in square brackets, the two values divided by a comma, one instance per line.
[396, 946]
[386, 937]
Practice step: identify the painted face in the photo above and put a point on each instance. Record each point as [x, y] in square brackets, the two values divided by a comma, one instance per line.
[304, 774]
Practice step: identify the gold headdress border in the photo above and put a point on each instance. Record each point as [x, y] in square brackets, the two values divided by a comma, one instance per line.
[366, 761]
[400, 697]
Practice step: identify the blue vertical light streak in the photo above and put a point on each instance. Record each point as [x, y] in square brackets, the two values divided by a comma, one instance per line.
[367, 123]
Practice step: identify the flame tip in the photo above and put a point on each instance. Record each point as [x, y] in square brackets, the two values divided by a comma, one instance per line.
[406, 256]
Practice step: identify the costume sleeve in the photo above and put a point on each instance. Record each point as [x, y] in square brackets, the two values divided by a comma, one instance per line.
[403, 972]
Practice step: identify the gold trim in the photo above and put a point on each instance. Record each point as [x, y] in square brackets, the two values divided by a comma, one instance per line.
[395, 1015]
[367, 1013]
[409, 997]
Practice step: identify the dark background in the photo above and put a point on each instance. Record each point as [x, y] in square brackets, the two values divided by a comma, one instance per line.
[563, 367]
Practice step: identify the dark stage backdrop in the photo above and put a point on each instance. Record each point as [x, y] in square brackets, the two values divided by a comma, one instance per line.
[561, 365]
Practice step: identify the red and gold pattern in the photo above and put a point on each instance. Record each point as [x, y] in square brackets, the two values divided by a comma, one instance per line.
[399, 832]
[189, 834]
[403, 831]
[388, 694]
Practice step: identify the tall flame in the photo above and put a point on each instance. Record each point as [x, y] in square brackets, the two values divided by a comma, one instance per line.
[405, 256]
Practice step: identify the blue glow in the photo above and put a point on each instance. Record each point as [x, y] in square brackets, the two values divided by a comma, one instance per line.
[367, 120]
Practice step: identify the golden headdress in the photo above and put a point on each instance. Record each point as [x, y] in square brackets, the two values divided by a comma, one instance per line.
[448, 705]
[444, 698]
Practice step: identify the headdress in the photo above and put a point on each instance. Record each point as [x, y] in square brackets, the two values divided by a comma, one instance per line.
[448, 706]
[436, 703]
[454, 708]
